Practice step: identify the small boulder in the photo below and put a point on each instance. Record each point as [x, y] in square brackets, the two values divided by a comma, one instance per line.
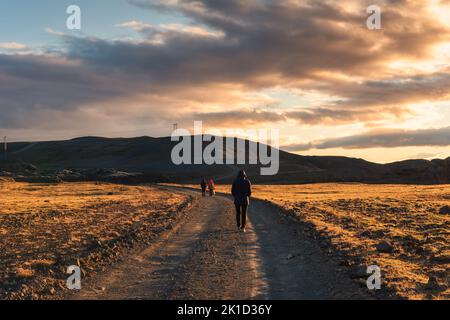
[30, 167]
[290, 256]
[445, 210]
[51, 291]
[432, 284]
[135, 226]
[385, 247]
[442, 259]
[358, 271]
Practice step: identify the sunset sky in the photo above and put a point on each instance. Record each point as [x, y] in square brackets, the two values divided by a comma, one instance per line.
[312, 69]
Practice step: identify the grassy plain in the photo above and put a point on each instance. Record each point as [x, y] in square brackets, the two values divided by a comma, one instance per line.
[44, 228]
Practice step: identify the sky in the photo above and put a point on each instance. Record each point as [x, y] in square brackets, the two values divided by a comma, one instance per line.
[311, 69]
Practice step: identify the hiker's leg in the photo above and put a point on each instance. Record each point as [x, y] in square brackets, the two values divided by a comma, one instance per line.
[244, 215]
[238, 215]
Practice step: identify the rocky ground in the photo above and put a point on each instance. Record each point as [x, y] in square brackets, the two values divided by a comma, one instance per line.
[206, 257]
[29, 173]
[44, 228]
[297, 231]
[403, 229]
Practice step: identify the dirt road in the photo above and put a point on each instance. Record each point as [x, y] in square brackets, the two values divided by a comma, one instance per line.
[206, 257]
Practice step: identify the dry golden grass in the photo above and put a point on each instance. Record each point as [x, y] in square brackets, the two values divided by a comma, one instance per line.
[354, 218]
[17, 198]
[46, 227]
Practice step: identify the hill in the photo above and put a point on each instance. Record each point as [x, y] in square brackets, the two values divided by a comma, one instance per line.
[149, 159]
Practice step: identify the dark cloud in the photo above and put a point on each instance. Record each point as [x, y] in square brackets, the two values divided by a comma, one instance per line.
[393, 91]
[258, 44]
[263, 39]
[273, 43]
[333, 116]
[30, 84]
[316, 35]
[388, 139]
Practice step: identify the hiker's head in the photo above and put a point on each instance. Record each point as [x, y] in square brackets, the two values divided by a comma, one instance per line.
[242, 174]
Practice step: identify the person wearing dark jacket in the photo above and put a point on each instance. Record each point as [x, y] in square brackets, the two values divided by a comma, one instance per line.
[241, 191]
[203, 185]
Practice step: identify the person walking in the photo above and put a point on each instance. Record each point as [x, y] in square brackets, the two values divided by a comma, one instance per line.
[203, 185]
[211, 187]
[241, 191]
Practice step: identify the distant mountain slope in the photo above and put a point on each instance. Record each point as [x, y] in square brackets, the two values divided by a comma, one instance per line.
[152, 157]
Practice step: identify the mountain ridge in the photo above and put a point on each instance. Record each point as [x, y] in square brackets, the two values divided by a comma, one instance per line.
[150, 156]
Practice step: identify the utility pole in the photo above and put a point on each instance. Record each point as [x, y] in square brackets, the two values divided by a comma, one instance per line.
[5, 146]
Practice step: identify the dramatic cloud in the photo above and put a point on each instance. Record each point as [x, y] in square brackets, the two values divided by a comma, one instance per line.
[395, 90]
[216, 66]
[37, 83]
[388, 139]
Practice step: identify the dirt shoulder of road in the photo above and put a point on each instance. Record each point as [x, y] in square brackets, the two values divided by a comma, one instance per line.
[44, 228]
[203, 257]
[207, 257]
[403, 229]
